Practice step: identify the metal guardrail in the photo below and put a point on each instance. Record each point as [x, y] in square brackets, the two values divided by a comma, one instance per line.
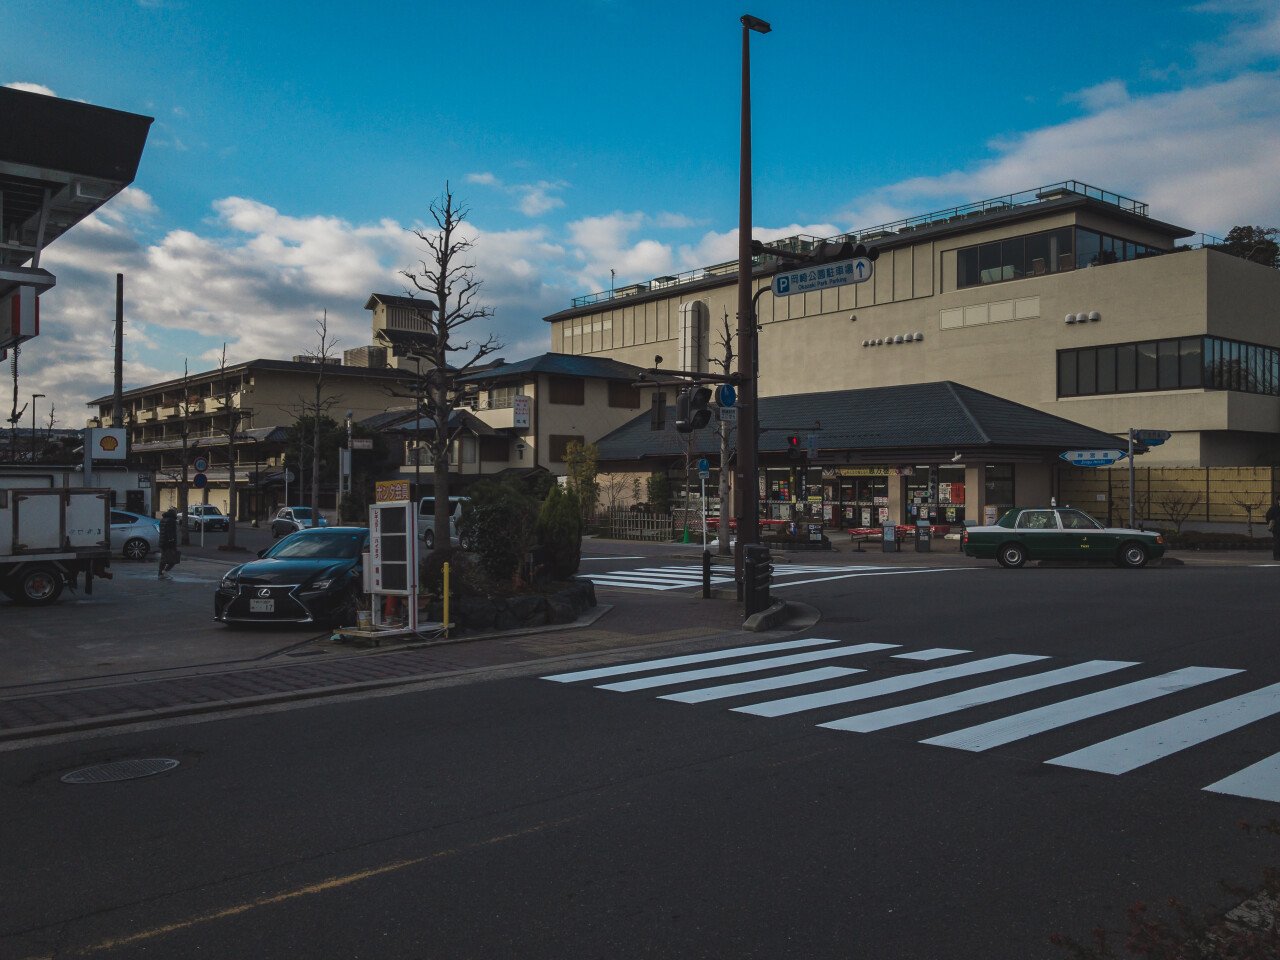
[801, 243]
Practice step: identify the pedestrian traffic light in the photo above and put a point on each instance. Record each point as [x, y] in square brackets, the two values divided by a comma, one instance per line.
[794, 450]
[692, 412]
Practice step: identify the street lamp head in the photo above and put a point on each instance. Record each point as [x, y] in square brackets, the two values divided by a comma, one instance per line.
[755, 23]
[36, 396]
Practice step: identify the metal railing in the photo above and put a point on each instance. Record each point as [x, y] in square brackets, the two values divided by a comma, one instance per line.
[801, 243]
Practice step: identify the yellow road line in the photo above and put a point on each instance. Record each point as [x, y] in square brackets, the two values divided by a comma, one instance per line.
[323, 886]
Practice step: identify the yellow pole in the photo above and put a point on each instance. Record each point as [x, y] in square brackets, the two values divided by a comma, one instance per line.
[446, 601]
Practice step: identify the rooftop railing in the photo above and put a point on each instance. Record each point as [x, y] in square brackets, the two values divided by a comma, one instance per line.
[802, 243]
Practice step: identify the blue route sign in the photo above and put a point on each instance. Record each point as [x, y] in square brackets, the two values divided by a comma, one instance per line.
[726, 396]
[704, 468]
[1092, 458]
[808, 279]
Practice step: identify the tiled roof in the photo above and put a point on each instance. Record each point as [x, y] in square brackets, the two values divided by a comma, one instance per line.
[391, 300]
[559, 364]
[920, 416]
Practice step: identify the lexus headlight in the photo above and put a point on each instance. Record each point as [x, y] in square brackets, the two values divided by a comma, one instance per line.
[228, 583]
[322, 584]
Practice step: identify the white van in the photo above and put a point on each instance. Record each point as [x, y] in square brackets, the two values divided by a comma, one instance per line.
[427, 519]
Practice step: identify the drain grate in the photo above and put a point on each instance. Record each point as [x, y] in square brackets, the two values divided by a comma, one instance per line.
[120, 770]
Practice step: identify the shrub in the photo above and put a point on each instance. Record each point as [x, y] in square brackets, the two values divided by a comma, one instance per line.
[658, 488]
[559, 533]
[498, 524]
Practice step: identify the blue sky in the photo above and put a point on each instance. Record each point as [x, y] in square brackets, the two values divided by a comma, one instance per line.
[295, 144]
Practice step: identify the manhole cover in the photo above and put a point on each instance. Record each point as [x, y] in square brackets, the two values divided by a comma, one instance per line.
[119, 770]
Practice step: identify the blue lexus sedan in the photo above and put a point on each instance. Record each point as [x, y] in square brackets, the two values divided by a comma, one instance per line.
[312, 576]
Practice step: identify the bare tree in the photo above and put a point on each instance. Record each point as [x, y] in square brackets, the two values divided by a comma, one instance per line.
[185, 406]
[445, 276]
[613, 486]
[234, 415]
[1177, 506]
[319, 403]
[1249, 502]
[725, 431]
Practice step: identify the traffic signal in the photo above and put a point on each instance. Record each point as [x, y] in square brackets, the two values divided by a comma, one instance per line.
[692, 412]
[795, 452]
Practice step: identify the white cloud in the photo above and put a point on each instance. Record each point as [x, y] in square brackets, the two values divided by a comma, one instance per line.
[31, 88]
[1253, 36]
[257, 279]
[1103, 96]
[484, 179]
[1202, 156]
[538, 198]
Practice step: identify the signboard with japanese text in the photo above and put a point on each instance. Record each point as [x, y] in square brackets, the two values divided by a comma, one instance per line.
[821, 277]
[520, 412]
[385, 491]
[1092, 458]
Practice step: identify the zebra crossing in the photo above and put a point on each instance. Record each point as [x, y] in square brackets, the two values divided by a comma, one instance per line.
[1117, 755]
[680, 576]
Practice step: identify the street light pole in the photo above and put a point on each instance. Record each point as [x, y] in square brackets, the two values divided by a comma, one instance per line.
[747, 472]
[34, 442]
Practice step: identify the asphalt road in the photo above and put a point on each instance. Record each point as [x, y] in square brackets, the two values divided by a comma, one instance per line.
[508, 815]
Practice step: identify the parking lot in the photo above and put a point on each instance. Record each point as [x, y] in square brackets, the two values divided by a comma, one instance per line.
[132, 623]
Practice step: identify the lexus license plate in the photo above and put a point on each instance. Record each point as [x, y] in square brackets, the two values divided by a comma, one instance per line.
[262, 606]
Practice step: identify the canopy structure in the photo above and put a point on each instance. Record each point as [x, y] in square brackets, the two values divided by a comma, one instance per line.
[60, 160]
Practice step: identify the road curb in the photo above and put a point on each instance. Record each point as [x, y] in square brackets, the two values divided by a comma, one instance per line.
[767, 619]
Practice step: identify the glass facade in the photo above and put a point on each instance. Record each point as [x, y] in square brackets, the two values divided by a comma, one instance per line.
[1180, 363]
[1036, 254]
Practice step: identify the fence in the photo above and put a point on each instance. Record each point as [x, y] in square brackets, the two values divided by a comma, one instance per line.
[1173, 495]
[625, 525]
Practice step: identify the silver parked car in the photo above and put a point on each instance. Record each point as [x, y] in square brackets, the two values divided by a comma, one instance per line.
[135, 534]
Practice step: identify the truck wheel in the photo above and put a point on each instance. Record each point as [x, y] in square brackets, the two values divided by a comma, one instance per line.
[136, 549]
[38, 585]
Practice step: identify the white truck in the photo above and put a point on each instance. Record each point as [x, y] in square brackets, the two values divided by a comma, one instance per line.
[49, 536]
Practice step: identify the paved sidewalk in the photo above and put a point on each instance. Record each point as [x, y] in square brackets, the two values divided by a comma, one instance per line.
[630, 622]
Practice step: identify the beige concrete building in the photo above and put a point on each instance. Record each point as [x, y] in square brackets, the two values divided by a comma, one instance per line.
[262, 397]
[1066, 298]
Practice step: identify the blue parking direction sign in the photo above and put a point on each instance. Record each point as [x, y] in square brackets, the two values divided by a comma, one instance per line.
[704, 468]
[726, 396]
[1092, 458]
[822, 276]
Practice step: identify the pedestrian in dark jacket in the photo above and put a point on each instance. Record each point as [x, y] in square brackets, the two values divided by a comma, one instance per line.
[1273, 524]
[169, 555]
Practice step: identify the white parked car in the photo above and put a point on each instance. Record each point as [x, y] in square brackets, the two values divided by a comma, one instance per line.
[427, 519]
[204, 515]
[292, 519]
[134, 535]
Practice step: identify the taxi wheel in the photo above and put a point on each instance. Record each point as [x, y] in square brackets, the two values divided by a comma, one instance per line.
[1133, 555]
[1011, 555]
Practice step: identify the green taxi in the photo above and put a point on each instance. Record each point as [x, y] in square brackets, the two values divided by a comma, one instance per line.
[1054, 533]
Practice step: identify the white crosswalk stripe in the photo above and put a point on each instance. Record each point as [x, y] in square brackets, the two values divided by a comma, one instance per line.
[678, 576]
[1117, 755]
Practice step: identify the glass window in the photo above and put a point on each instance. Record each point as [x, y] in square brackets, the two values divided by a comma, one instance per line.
[1076, 520]
[1167, 365]
[998, 484]
[1232, 356]
[1037, 254]
[1037, 520]
[1190, 362]
[1146, 366]
[1126, 368]
[1088, 247]
[1106, 369]
[1108, 254]
[1060, 249]
[1012, 258]
[1255, 369]
[1067, 386]
[1087, 371]
[967, 267]
[1213, 363]
[989, 262]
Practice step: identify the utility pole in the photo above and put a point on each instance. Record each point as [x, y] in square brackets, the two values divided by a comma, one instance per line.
[117, 401]
[747, 473]
[34, 441]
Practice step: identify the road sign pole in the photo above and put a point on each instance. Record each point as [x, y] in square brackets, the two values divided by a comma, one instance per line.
[702, 480]
[1132, 522]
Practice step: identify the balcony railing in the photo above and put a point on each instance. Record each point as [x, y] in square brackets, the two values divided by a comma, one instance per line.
[804, 242]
